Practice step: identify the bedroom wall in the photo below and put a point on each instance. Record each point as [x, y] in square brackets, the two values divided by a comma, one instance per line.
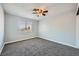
[1, 28]
[77, 31]
[60, 28]
[12, 33]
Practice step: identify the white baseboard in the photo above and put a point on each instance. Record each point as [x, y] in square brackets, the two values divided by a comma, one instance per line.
[45, 39]
[61, 43]
[18, 40]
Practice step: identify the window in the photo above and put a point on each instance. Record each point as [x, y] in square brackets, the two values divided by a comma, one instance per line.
[25, 26]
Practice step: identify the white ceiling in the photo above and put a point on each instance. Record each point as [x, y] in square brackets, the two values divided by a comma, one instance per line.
[25, 9]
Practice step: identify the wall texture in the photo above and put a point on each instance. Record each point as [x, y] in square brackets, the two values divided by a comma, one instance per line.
[12, 32]
[77, 31]
[1, 28]
[60, 28]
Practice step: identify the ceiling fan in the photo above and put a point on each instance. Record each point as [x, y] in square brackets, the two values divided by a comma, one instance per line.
[40, 11]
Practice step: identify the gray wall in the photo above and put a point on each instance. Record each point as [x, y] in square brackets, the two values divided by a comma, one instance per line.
[60, 28]
[1, 28]
[77, 31]
[12, 32]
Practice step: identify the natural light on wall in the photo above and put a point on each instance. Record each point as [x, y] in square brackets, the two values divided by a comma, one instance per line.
[25, 26]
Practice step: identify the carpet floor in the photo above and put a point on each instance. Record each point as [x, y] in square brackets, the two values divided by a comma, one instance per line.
[38, 47]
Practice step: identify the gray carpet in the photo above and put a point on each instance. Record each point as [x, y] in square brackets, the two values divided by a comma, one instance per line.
[38, 47]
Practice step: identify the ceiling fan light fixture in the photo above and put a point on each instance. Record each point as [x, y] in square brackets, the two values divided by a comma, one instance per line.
[40, 11]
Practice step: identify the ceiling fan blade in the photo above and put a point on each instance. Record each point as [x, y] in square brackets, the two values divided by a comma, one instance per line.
[44, 14]
[35, 9]
[45, 11]
[78, 12]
